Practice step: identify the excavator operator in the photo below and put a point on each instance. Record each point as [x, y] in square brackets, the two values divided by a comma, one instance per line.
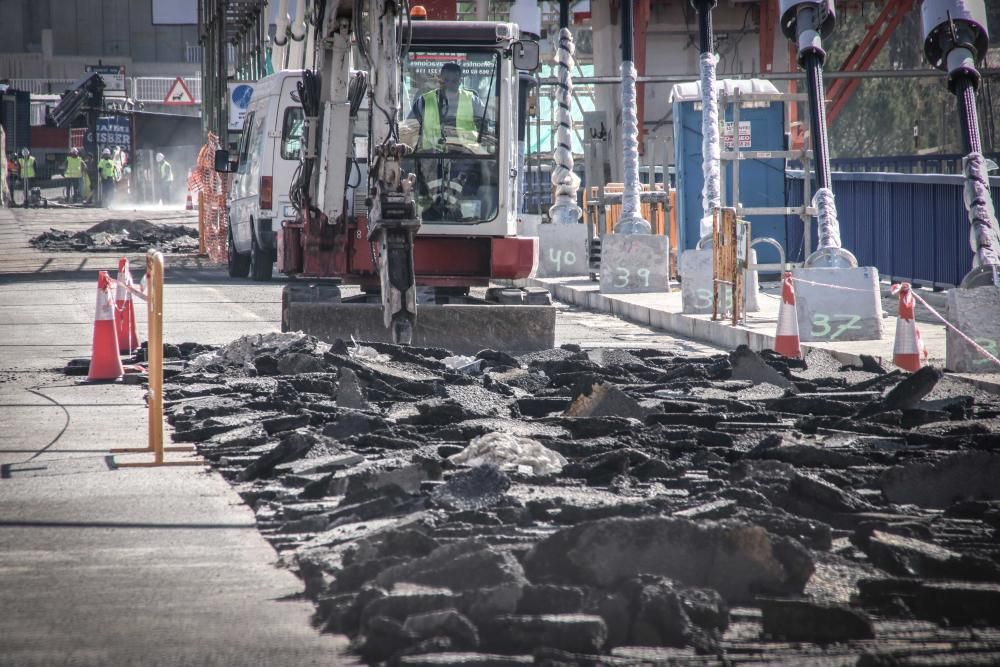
[448, 114]
[448, 119]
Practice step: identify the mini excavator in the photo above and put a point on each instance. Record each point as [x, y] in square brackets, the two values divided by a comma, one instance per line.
[407, 183]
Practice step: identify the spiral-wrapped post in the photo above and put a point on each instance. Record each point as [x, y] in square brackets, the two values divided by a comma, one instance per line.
[984, 235]
[631, 221]
[565, 181]
[711, 191]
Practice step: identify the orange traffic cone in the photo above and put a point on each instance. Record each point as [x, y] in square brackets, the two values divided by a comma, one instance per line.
[105, 364]
[786, 338]
[908, 348]
[189, 204]
[125, 310]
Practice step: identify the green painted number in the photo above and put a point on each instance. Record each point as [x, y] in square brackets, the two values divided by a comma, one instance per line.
[990, 346]
[822, 327]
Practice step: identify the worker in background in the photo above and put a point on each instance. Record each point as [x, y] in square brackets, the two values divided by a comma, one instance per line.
[13, 169]
[165, 179]
[26, 165]
[74, 175]
[122, 186]
[107, 171]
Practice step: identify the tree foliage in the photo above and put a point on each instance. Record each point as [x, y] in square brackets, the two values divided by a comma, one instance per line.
[881, 116]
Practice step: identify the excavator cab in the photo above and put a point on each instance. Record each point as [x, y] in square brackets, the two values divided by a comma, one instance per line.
[458, 114]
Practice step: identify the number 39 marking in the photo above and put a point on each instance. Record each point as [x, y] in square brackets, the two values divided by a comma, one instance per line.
[622, 279]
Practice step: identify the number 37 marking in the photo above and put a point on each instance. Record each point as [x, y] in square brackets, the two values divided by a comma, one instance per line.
[823, 329]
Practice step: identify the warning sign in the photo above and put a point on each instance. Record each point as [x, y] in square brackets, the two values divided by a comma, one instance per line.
[178, 95]
[744, 134]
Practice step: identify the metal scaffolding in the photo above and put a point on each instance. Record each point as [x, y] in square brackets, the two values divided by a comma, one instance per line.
[221, 23]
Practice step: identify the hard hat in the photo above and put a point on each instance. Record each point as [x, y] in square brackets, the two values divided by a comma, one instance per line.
[418, 13]
[25, 152]
[74, 151]
[159, 157]
[106, 151]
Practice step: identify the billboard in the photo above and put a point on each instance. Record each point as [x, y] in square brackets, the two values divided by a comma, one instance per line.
[114, 131]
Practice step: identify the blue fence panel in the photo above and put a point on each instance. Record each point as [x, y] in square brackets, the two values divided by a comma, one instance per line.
[910, 226]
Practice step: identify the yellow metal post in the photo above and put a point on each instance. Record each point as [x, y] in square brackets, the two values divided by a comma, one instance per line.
[154, 359]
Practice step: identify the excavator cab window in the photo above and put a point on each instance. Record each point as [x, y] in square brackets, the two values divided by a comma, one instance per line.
[451, 119]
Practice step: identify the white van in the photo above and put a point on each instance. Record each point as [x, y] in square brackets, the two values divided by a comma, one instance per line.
[268, 158]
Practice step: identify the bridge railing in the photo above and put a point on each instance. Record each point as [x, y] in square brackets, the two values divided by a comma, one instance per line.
[911, 227]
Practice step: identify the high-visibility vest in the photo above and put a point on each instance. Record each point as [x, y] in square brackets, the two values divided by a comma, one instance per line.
[74, 167]
[166, 173]
[106, 168]
[465, 121]
[27, 165]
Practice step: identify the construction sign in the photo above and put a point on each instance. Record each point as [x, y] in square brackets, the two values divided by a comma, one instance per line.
[178, 95]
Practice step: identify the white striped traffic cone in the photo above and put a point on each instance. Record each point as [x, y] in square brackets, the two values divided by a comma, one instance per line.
[786, 338]
[125, 310]
[105, 364]
[908, 350]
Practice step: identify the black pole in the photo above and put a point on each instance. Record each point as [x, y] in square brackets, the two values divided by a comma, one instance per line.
[965, 93]
[563, 14]
[813, 64]
[706, 37]
[628, 50]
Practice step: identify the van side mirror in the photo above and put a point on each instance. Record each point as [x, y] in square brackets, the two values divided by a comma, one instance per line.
[525, 56]
[222, 162]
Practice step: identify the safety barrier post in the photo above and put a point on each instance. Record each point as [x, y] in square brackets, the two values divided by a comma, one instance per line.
[202, 246]
[154, 359]
[729, 253]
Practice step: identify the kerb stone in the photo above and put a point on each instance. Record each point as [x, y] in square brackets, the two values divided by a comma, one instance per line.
[634, 263]
[828, 314]
[976, 313]
[562, 251]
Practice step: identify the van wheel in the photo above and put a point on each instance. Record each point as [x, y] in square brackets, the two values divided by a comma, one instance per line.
[239, 265]
[261, 265]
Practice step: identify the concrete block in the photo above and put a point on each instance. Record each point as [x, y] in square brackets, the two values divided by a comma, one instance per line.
[463, 329]
[829, 314]
[696, 283]
[633, 263]
[528, 224]
[976, 313]
[562, 251]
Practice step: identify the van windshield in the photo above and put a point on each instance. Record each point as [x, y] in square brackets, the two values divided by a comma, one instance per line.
[450, 118]
[291, 133]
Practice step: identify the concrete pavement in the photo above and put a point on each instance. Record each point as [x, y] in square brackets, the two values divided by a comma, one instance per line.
[103, 566]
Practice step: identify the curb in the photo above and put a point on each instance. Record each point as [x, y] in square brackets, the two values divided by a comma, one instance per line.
[702, 328]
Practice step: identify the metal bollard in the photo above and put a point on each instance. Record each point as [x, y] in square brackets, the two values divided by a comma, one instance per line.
[154, 359]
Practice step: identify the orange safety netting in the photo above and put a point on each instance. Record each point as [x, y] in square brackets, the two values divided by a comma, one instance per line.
[213, 189]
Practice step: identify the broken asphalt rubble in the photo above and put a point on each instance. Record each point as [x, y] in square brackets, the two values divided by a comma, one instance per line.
[628, 507]
[119, 235]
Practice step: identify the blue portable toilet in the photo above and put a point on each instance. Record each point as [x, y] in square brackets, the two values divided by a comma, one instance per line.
[762, 181]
